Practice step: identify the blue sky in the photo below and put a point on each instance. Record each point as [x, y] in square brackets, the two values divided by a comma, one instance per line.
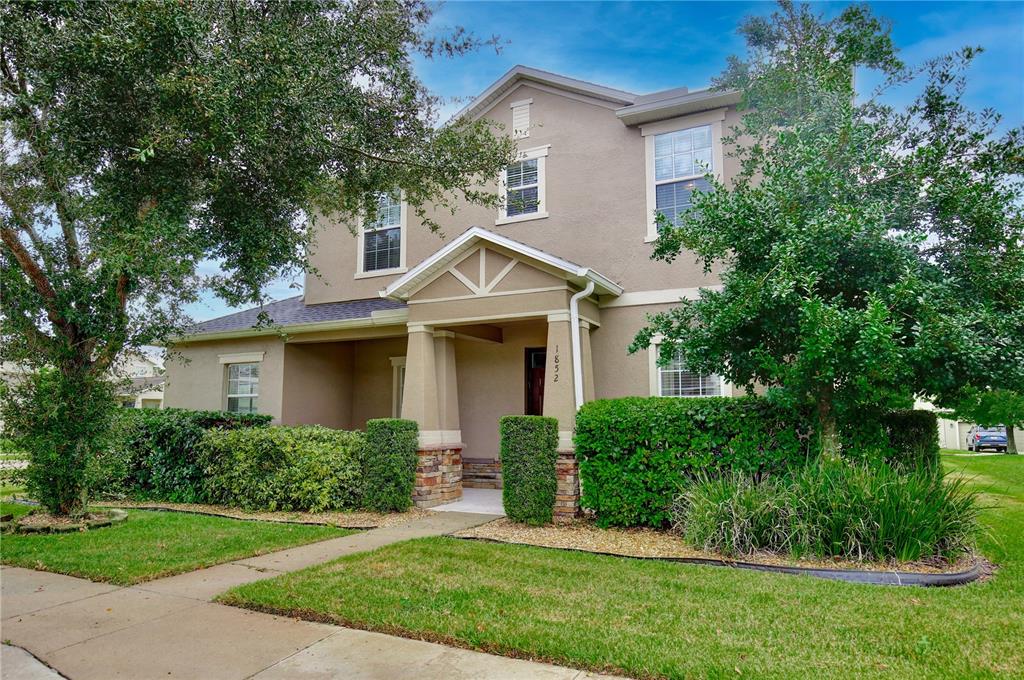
[648, 46]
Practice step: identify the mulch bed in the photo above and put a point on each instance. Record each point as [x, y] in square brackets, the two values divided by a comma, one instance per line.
[41, 522]
[344, 520]
[586, 536]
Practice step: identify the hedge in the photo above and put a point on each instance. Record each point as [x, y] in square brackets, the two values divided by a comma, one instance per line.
[634, 453]
[529, 454]
[152, 452]
[308, 468]
[913, 438]
[389, 464]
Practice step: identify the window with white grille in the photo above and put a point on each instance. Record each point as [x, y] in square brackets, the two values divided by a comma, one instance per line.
[523, 187]
[675, 380]
[243, 387]
[681, 159]
[381, 248]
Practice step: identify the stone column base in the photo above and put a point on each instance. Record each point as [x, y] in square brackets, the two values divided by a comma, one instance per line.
[567, 495]
[438, 475]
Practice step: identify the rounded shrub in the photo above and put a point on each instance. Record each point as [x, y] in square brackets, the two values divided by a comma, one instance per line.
[389, 464]
[529, 457]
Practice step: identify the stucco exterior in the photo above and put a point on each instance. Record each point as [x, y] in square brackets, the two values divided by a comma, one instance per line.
[486, 289]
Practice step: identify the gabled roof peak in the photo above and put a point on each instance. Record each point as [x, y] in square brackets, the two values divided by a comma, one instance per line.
[432, 266]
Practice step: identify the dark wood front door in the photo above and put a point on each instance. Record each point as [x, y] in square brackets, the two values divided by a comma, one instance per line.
[535, 359]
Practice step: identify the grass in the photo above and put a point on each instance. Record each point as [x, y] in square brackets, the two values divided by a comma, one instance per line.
[656, 619]
[155, 544]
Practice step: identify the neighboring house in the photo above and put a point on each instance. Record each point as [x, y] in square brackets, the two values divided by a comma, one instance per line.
[144, 381]
[524, 310]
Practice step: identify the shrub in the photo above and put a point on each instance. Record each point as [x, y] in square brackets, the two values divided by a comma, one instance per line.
[389, 464]
[913, 436]
[529, 455]
[733, 514]
[153, 452]
[832, 509]
[308, 468]
[634, 453]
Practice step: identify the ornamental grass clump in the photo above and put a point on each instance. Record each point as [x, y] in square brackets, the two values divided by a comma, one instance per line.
[832, 509]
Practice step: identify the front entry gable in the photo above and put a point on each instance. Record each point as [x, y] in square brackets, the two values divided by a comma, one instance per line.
[480, 263]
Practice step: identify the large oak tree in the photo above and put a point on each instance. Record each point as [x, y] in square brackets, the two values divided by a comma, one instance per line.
[140, 139]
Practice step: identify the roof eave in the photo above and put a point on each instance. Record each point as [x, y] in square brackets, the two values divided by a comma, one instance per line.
[524, 73]
[693, 102]
[384, 317]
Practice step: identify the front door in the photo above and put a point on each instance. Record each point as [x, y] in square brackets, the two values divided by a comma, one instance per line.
[535, 359]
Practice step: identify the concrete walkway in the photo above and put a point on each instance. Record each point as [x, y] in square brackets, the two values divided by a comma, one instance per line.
[168, 628]
[486, 501]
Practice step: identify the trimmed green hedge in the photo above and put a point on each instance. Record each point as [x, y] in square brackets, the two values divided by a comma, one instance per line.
[389, 464]
[152, 452]
[634, 453]
[308, 468]
[529, 454]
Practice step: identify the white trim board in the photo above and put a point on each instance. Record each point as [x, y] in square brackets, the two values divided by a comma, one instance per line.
[654, 297]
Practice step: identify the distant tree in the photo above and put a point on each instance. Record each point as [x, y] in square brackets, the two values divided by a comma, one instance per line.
[991, 408]
[141, 138]
[866, 253]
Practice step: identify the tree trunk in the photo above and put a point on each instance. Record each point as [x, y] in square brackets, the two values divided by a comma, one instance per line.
[828, 431]
[1011, 441]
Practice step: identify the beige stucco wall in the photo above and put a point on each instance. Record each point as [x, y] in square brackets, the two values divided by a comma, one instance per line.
[201, 383]
[372, 392]
[492, 383]
[596, 201]
[317, 386]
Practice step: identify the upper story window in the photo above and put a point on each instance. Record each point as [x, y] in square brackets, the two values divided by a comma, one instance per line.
[680, 153]
[243, 387]
[675, 380]
[523, 185]
[381, 248]
[681, 159]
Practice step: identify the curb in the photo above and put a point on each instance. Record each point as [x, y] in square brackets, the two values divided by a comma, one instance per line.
[863, 576]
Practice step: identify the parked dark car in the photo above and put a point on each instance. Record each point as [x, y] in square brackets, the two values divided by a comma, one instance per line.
[979, 438]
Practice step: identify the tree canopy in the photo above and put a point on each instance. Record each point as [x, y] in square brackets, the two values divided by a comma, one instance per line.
[142, 138]
[867, 253]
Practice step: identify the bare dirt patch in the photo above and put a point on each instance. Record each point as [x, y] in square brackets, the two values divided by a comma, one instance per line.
[648, 543]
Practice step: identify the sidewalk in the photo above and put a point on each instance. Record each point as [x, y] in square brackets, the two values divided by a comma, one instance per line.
[168, 628]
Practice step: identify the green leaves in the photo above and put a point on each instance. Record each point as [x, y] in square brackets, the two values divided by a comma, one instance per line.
[864, 252]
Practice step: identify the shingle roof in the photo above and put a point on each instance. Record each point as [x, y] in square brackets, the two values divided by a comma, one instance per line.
[293, 311]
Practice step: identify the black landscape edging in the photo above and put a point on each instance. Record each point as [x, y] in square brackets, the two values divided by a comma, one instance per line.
[157, 508]
[879, 578]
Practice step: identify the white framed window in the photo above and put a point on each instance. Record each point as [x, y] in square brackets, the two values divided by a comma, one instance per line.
[674, 379]
[523, 187]
[243, 387]
[521, 118]
[381, 248]
[679, 154]
[397, 385]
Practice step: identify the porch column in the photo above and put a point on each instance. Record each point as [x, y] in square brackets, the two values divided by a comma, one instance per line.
[587, 358]
[425, 398]
[559, 397]
[419, 398]
[447, 385]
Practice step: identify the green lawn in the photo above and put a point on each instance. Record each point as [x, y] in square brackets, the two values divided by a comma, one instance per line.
[154, 544]
[661, 619]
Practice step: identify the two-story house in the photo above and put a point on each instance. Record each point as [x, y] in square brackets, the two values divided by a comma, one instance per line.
[528, 309]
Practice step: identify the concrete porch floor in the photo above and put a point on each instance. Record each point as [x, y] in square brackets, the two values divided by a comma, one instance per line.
[482, 501]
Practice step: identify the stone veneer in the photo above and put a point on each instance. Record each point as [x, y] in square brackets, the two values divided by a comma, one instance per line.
[481, 473]
[567, 495]
[438, 475]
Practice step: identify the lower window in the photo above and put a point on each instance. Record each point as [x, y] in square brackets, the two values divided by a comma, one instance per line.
[243, 387]
[675, 380]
